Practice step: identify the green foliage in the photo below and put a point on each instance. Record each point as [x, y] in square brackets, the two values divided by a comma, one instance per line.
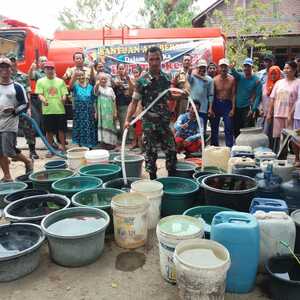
[248, 28]
[90, 14]
[168, 13]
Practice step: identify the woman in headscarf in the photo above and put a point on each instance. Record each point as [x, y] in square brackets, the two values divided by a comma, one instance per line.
[274, 74]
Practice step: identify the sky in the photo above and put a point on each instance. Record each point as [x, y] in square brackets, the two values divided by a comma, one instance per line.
[32, 12]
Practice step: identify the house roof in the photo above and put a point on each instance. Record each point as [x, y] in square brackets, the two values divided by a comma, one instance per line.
[203, 13]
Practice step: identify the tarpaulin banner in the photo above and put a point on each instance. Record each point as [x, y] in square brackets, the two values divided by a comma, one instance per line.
[133, 55]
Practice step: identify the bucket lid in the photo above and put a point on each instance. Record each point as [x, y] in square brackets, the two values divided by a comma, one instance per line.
[97, 154]
[181, 226]
[130, 201]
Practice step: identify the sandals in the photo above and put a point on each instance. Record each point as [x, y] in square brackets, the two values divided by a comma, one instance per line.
[4, 180]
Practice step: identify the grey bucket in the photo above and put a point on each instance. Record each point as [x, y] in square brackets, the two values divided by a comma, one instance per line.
[75, 250]
[133, 164]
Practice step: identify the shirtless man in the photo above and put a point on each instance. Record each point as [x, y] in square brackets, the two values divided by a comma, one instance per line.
[223, 104]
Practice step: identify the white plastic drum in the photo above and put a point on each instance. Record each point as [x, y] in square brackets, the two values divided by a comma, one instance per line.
[76, 157]
[130, 213]
[99, 156]
[153, 190]
[170, 232]
[201, 269]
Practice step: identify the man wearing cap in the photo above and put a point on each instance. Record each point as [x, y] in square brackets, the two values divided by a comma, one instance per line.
[223, 104]
[248, 96]
[52, 93]
[268, 62]
[24, 124]
[202, 90]
[12, 95]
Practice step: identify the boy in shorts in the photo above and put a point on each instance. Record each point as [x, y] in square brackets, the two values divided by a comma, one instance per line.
[52, 93]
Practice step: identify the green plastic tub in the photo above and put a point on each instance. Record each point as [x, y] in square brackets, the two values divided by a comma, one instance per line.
[206, 213]
[42, 180]
[133, 164]
[72, 185]
[97, 198]
[185, 169]
[7, 188]
[105, 172]
[179, 195]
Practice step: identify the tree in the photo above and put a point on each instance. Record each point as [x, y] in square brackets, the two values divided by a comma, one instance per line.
[168, 13]
[248, 28]
[90, 14]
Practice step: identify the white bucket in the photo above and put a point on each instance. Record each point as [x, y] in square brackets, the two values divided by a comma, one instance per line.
[130, 213]
[76, 157]
[201, 269]
[153, 190]
[99, 156]
[170, 232]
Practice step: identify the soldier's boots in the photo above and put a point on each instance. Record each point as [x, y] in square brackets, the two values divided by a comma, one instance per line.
[33, 154]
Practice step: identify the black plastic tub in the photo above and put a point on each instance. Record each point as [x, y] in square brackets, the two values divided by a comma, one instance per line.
[229, 190]
[25, 178]
[23, 194]
[118, 183]
[284, 272]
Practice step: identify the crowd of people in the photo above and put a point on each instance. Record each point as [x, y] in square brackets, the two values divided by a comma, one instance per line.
[103, 105]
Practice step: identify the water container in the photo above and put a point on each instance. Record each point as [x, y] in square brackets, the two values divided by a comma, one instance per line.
[216, 157]
[98, 156]
[170, 232]
[291, 191]
[76, 158]
[56, 164]
[264, 156]
[201, 268]
[274, 227]
[239, 233]
[268, 185]
[153, 190]
[282, 168]
[133, 164]
[130, 214]
[184, 169]
[250, 171]
[295, 215]
[267, 205]
[242, 151]
[240, 162]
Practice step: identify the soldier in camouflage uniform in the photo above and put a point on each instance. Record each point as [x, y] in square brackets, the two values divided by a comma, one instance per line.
[156, 122]
[24, 124]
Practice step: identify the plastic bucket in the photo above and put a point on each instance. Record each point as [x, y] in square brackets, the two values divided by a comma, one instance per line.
[133, 164]
[179, 195]
[201, 269]
[7, 188]
[284, 272]
[75, 184]
[22, 194]
[76, 157]
[153, 190]
[119, 183]
[130, 213]
[25, 178]
[56, 164]
[295, 215]
[105, 172]
[229, 190]
[184, 169]
[206, 213]
[170, 232]
[42, 180]
[75, 235]
[99, 156]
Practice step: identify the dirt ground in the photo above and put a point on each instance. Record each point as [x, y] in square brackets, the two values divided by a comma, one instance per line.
[118, 274]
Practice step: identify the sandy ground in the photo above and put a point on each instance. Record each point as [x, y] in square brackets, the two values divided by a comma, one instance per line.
[117, 274]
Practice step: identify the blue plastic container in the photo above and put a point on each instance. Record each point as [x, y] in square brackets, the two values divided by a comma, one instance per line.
[267, 204]
[239, 233]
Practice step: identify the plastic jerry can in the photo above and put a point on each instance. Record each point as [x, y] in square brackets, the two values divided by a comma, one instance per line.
[274, 226]
[240, 162]
[267, 205]
[239, 233]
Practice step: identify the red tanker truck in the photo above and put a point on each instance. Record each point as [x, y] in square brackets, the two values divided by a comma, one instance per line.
[111, 46]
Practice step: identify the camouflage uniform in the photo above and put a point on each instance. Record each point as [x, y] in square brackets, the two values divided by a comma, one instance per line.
[24, 125]
[156, 121]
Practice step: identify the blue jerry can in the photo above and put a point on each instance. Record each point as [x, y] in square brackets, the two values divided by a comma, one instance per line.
[239, 233]
[267, 205]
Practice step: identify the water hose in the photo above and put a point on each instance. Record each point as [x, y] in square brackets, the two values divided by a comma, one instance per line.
[291, 251]
[138, 117]
[40, 134]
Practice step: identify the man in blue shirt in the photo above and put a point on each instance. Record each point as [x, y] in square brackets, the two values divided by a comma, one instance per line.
[202, 90]
[187, 132]
[248, 96]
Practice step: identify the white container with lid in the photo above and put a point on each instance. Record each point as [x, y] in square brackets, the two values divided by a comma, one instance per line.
[97, 156]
